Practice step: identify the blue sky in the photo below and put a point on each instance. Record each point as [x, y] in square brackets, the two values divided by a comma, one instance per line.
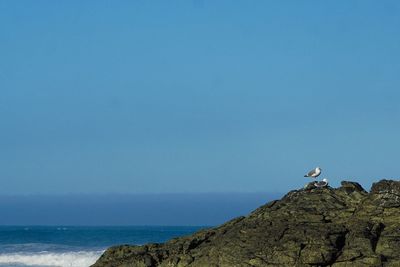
[129, 209]
[196, 96]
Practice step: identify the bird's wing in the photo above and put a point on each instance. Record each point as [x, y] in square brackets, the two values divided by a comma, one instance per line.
[320, 184]
[311, 172]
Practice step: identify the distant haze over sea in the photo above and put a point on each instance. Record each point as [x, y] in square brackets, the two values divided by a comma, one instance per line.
[129, 209]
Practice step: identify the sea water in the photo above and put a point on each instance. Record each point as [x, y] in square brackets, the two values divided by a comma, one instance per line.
[74, 246]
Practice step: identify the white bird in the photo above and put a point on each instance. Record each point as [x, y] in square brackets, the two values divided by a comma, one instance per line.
[322, 183]
[314, 173]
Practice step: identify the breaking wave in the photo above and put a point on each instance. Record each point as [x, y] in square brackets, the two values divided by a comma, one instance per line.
[51, 259]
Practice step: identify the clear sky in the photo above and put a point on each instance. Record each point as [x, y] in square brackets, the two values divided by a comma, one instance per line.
[196, 96]
[129, 209]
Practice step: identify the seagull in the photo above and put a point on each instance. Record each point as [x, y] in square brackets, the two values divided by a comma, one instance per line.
[314, 173]
[322, 183]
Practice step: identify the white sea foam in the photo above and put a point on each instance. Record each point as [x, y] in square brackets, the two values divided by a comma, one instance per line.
[51, 259]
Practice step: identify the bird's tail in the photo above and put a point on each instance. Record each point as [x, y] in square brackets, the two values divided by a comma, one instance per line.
[306, 175]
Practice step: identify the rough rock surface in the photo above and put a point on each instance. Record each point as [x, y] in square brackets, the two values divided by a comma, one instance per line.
[344, 226]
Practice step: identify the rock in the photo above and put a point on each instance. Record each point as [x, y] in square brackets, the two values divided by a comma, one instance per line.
[351, 187]
[345, 226]
[386, 186]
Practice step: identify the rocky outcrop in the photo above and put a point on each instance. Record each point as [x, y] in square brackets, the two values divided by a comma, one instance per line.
[345, 226]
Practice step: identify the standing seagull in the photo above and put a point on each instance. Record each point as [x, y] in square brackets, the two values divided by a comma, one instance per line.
[314, 173]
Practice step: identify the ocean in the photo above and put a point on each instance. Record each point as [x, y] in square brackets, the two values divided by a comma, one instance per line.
[74, 246]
